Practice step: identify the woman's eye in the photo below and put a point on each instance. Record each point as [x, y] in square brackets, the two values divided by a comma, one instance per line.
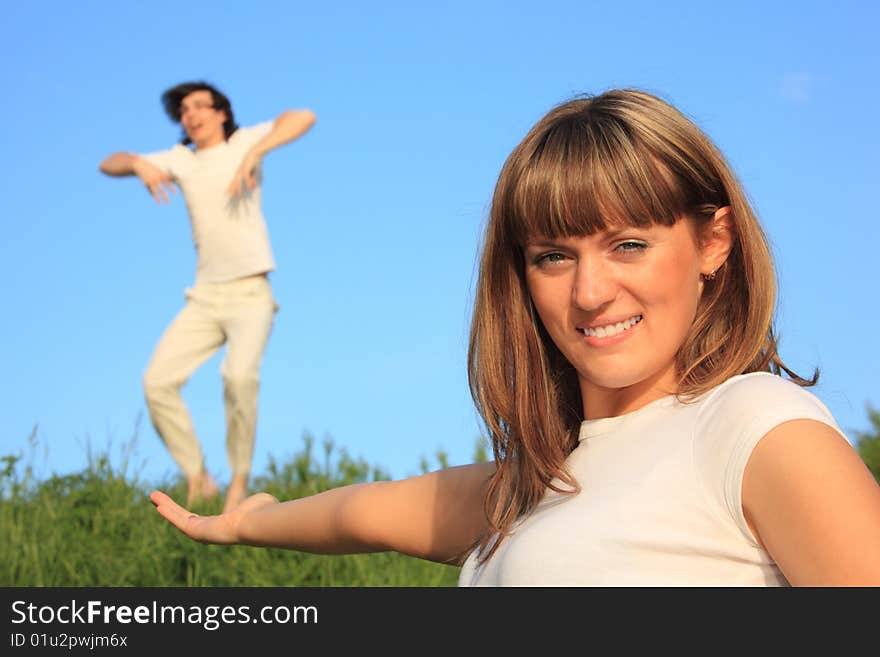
[549, 258]
[631, 246]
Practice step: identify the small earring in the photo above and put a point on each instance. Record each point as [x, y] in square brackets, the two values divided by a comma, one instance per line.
[710, 276]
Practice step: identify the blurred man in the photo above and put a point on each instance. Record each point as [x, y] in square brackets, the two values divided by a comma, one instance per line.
[217, 167]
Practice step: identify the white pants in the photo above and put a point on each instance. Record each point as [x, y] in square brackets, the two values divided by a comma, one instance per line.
[238, 313]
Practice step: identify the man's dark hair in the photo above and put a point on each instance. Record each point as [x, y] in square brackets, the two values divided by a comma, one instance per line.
[172, 98]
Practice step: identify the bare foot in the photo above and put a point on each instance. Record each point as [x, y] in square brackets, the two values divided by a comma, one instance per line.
[201, 488]
[236, 493]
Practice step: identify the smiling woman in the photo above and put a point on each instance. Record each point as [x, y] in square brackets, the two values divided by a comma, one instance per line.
[623, 358]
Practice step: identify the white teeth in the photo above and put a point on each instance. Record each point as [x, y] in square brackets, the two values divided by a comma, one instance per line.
[612, 329]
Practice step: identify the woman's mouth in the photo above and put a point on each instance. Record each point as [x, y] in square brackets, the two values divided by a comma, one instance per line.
[610, 330]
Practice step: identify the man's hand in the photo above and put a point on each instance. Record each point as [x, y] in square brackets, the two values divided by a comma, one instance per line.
[221, 530]
[157, 182]
[245, 176]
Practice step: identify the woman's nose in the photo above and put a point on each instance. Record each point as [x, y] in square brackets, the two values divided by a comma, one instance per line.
[594, 284]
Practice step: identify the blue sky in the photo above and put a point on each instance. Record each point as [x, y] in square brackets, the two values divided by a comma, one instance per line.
[376, 214]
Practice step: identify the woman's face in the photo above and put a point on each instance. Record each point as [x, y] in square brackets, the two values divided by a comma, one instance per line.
[618, 304]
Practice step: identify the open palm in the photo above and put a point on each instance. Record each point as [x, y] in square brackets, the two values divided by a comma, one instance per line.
[220, 529]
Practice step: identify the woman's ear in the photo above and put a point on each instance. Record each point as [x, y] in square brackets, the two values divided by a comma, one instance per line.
[716, 242]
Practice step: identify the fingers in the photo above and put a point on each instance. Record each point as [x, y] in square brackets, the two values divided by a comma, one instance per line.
[160, 194]
[170, 188]
[187, 522]
[244, 177]
[234, 188]
[156, 497]
[159, 189]
[155, 194]
[205, 529]
[158, 182]
[208, 529]
[240, 180]
[170, 510]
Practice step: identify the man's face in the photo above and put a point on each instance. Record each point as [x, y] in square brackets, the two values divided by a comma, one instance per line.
[203, 123]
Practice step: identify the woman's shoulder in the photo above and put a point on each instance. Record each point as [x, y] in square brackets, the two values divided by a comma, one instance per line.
[733, 419]
[758, 390]
[749, 405]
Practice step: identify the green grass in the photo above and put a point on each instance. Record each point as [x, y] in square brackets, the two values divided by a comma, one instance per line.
[98, 528]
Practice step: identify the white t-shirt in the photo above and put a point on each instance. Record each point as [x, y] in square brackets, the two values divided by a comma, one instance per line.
[229, 234]
[661, 501]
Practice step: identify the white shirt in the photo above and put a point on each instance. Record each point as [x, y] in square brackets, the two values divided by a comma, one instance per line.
[229, 234]
[661, 498]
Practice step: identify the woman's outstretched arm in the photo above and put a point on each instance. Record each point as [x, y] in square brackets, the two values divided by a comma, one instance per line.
[435, 516]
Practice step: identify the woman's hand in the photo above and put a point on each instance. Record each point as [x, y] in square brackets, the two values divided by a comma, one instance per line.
[222, 529]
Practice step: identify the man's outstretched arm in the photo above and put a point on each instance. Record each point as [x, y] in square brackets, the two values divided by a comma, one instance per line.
[289, 125]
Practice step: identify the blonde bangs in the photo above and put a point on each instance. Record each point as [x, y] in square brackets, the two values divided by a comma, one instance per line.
[580, 177]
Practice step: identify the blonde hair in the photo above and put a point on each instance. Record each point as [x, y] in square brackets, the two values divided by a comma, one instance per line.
[623, 157]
